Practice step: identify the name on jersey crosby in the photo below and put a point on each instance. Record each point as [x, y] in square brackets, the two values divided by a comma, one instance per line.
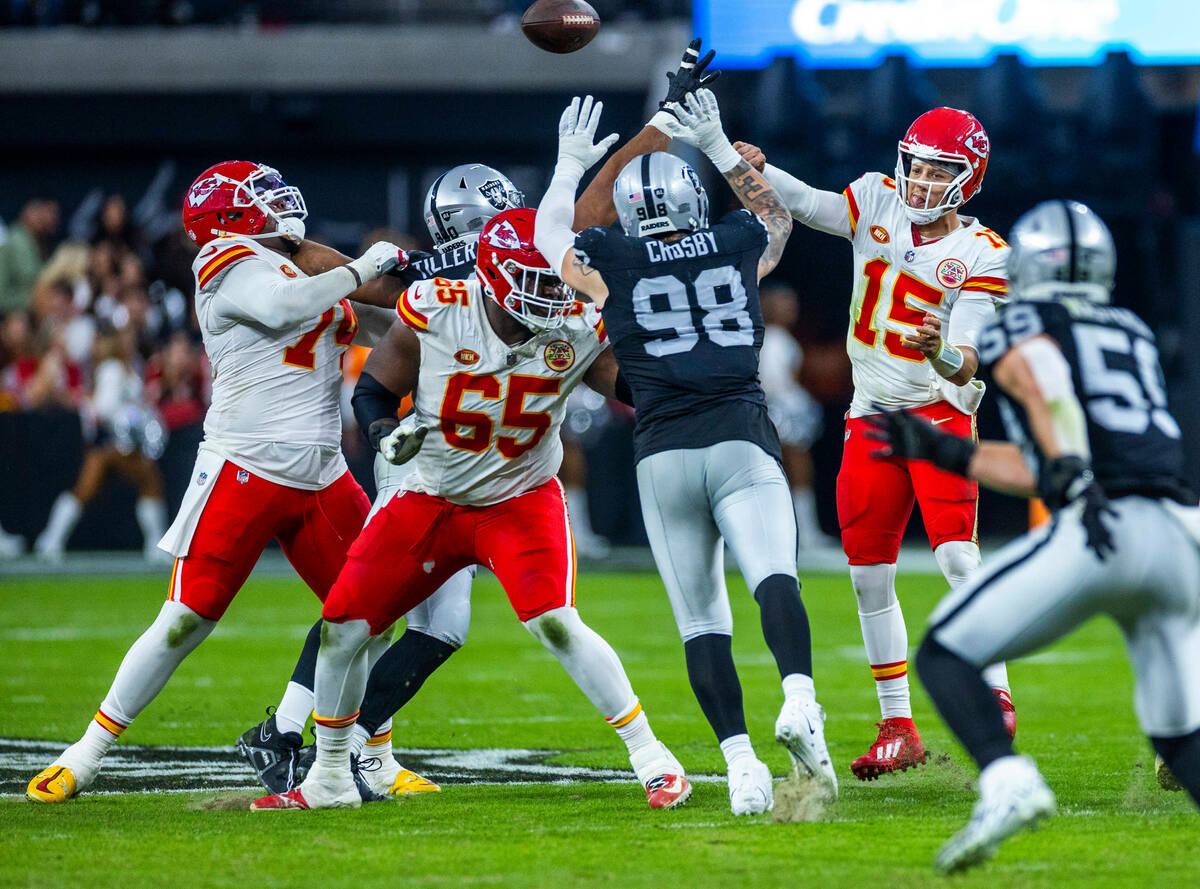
[698, 244]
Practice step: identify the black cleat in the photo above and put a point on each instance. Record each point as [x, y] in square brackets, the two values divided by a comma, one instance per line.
[272, 754]
[308, 755]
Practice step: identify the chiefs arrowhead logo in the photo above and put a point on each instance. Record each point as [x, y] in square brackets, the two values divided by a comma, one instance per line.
[201, 190]
[504, 236]
[978, 144]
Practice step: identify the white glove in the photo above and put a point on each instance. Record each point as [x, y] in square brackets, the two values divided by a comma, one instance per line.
[667, 123]
[576, 133]
[404, 441]
[379, 258]
[700, 119]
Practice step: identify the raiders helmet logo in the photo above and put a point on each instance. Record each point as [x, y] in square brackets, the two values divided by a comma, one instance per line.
[504, 236]
[951, 273]
[495, 192]
[690, 175]
[202, 189]
[977, 143]
[559, 355]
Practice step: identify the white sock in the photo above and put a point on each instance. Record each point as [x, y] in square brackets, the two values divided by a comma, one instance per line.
[340, 682]
[333, 746]
[152, 519]
[735, 747]
[96, 740]
[294, 708]
[64, 516]
[358, 740]
[377, 745]
[797, 685]
[958, 559]
[804, 504]
[635, 731]
[996, 676]
[884, 636]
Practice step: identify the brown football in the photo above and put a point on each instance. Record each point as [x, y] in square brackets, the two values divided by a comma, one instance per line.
[560, 25]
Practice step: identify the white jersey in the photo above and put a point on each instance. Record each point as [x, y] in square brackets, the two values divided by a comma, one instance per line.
[899, 277]
[275, 395]
[494, 410]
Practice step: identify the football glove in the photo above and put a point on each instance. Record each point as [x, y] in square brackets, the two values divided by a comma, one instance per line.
[404, 441]
[907, 435]
[1064, 480]
[380, 258]
[700, 120]
[576, 135]
[691, 75]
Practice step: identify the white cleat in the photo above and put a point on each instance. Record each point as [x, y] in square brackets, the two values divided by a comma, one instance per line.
[801, 729]
[751, 790]
[322, 788]
[1012, 796]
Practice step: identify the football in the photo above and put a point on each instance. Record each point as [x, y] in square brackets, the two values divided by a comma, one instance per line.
[560, 26]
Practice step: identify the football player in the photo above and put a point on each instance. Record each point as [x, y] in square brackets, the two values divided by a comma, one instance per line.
[680, 300]
[926, 281]
[490, 362]
[270, 465]
[456, 208]
[1085, 409]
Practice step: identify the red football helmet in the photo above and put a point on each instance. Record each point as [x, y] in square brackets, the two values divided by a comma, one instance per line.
[513, 273]
[947, 138]
[237, 198]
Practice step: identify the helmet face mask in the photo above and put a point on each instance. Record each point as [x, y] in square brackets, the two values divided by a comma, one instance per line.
[464, 198]
[949, 139]
[516, 276]
[240, 198]
[659, 193]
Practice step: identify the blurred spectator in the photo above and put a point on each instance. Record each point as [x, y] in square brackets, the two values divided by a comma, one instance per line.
[24, 253]
[178, 382]
[115, 227]
[127, 437]
[38, 373]
[793, 411]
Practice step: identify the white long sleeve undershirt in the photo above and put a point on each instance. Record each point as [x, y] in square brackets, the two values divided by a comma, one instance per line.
[823, 210]
[253, 291]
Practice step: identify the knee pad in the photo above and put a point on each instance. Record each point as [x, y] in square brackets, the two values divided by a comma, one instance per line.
[957, 559]
[874, 586]
[554, 628]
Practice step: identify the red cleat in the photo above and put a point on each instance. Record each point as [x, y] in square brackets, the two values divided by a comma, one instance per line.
[897, 748]
[1007, 710]
[292, 799]
[668, 791]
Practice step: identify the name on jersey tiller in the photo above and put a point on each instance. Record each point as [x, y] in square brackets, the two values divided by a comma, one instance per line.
[951, 273]
[559, 355]
[699, 244]
[466, 356]
[880, 234]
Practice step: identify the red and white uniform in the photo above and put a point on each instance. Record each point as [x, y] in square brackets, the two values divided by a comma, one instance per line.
[482, 489]
[898, 277]
[270, 465]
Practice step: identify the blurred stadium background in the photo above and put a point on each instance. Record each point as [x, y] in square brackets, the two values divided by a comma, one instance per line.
[109, 108]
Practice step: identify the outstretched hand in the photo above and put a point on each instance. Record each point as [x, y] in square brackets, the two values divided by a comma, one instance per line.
[577, 133]
[904, 434]
[691, 75]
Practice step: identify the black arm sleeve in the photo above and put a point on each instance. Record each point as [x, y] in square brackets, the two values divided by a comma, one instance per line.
[622, 391]
[375, 408]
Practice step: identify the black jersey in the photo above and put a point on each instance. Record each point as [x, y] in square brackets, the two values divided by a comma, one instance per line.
[455, 261]
[686, 327]
[1136, 444]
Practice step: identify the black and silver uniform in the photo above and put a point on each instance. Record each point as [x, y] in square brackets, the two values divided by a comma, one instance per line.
[686, 327]
[1136, 444]
[455, 261]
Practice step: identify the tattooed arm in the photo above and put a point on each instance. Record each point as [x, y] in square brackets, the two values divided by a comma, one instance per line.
[763, 201]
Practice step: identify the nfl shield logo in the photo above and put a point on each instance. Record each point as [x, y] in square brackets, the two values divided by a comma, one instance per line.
[910, 255]
[243, 476]
[201, 479]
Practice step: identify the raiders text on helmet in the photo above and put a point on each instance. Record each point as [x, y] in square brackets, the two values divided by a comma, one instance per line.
[953, 140]
[1061, 249]
[463, 198]
[659, 193]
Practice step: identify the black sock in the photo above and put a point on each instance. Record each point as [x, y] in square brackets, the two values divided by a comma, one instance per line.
[966, 703]
[306, 668]
[1182, 754]
[398, 675]
[785, 624]
[715, 683]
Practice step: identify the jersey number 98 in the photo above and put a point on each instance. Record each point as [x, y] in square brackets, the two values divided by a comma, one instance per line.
[725, 321]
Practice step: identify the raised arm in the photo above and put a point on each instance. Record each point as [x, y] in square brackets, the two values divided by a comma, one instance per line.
[316, 259]
[700, 118]
[825, 211]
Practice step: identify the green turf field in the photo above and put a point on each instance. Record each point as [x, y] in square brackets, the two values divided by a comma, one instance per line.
[61, 640]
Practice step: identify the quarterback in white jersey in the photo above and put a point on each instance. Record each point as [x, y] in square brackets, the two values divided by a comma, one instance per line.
[270, 465]
[926, 281]
[491, 362]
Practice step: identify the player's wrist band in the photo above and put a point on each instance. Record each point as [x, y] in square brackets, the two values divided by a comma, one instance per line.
[357, 277]
[724, 156]
[948, 360]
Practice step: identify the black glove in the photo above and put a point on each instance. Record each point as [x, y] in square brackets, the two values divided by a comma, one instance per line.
[691, 75]
[1064, 480]
[381, 429]
[907, 435]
